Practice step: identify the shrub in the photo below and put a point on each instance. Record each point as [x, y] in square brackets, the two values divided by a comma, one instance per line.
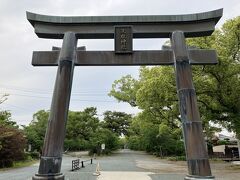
[103, 136]
[76, 144]
[12, 144]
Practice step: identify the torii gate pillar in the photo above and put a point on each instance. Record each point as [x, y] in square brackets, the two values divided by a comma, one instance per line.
[195, 147]
[51, 159]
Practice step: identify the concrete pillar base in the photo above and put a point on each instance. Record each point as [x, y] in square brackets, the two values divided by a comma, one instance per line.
[190, 177]
[48, 177]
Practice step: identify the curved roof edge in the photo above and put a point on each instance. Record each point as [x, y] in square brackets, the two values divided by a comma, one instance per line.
[185, 18]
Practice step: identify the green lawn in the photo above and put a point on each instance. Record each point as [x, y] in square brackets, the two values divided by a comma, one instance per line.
[20, 164]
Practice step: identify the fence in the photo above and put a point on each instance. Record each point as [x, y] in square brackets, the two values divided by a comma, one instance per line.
[76, 163]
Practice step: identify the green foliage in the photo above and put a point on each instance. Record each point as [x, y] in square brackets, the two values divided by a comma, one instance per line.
[170, 142]
[12, 144]
[134, 142]
[5, 119]
[159, 139]
[117, 122]
[125, 89]
[35, 132]
[33, 155]
[218, 86]
[104, 136]
[12, 140]
[84, 131]
[222, 142]
[122, 142]
[76, 144]
[154, 92]
[82, 124]
[24, 163]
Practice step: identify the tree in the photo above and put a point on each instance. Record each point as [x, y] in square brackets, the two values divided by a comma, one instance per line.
[5, 119]
[81, 124]
[152, 137]
[103, 136]
[83, 131]
[35, 131]
[155, 93]
[117, 122]
[125, 90]
[80, 127]
[12, 141]
[217, 87]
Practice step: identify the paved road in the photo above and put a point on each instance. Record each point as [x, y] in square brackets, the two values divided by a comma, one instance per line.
[26, 173]
[126, 165]
[135, 165]
[123, 165]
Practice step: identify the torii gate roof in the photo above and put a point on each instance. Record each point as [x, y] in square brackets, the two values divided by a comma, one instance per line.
[102, 27]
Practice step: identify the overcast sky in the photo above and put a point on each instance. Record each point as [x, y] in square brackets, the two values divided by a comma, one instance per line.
[31, 88]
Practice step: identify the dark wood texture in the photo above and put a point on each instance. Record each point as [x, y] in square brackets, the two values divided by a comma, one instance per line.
[158, 26]
[50, 163]
[195, 147]
[109, 58]
[123, 39]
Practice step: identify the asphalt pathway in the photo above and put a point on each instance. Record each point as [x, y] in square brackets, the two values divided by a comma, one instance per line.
[122, 165]
[135, 165]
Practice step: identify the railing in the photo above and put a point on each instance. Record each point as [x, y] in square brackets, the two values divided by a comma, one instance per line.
[76, 163]
[91, 161]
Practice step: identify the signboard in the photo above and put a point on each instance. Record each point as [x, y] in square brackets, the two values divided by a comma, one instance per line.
[123, 39]
[103, 146]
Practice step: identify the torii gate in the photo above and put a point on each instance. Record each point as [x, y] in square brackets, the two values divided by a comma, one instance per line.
[123, 29]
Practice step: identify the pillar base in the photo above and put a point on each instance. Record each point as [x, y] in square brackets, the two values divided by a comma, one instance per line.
[48, 177]
[190, 177]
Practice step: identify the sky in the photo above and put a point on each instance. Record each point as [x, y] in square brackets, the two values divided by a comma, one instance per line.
[30, 88]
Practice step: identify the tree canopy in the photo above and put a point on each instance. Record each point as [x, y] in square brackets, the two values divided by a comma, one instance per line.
[117, 122]
[217, 88]
[84, 130]
[12, 141]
